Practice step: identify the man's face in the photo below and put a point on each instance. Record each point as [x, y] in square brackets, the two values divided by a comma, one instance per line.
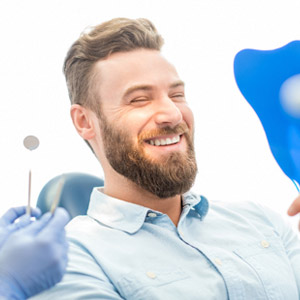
[145, 123]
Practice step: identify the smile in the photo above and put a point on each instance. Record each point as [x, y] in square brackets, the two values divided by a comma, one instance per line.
[164, 142]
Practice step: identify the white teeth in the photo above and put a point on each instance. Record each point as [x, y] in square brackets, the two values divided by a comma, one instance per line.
[175, 139]
[167, 141]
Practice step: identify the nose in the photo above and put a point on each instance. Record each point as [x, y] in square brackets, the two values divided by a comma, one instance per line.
[167, 113]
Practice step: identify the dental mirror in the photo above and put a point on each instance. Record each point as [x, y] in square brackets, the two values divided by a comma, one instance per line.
[30, 142]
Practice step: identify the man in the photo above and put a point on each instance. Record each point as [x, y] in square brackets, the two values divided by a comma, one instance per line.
[33, 255]
[146, 235]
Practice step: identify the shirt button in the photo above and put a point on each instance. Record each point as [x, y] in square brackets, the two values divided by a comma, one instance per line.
[152, 215]
[218, 261]
[265, 244]
[151, 275]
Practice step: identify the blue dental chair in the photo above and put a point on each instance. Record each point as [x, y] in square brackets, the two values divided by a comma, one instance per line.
[75, 193]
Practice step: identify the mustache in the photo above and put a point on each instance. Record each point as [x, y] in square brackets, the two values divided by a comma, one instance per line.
[178, 129]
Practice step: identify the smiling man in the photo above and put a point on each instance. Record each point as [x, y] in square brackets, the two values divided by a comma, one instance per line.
[142, 130]
[146, 235]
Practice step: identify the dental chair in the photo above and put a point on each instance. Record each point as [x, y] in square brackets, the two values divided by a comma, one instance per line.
[75, 193]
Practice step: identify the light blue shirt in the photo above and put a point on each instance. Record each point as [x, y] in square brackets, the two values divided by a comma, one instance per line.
[235, 251]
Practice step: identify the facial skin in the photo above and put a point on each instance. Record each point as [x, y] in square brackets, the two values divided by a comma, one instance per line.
[142, 103]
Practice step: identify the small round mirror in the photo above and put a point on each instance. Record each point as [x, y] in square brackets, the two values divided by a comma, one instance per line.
[31, 142]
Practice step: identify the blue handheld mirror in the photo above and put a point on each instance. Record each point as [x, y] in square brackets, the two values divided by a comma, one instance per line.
[270, 82]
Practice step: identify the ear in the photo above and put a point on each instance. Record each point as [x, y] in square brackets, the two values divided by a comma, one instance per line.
[83, 121]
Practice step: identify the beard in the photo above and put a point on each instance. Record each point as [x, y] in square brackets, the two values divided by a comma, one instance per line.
[173, 175]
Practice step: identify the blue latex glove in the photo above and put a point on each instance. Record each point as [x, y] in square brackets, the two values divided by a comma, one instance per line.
[34, 258]
[7, 225]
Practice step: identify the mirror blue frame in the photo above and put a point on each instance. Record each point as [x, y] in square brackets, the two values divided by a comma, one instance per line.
[270, 82]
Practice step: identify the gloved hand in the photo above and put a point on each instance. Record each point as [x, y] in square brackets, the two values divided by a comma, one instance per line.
[7, 225]
[34, 258]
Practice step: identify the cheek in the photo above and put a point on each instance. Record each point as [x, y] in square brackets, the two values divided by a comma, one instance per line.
[187, 116]
[135, 122]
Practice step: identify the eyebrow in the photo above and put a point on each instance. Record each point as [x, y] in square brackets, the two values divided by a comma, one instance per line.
[176, 84]
[134, 88]
[144, 87]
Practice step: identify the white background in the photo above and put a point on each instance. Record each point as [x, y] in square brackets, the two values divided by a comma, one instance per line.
[201, 39]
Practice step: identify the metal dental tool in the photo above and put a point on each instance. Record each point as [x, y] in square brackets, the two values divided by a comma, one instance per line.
[58, 194]
[31, 143]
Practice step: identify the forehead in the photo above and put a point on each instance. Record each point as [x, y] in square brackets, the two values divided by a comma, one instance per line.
[121, 70]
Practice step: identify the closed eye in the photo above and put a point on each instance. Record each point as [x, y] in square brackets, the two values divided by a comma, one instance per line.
[178, 97]
[137, 100]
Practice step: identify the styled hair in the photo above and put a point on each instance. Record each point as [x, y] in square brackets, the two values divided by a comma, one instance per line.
[116, 35]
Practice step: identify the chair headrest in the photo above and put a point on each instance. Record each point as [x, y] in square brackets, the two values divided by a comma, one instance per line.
[75, 194]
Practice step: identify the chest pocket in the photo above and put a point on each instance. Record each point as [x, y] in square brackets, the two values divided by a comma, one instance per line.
[150, 284]
[272, 266]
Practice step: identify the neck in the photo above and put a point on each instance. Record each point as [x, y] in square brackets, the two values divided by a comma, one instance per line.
[126, 190]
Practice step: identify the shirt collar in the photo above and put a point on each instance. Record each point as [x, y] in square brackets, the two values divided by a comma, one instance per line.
[130, 217]
[196, 202]
[116, 213]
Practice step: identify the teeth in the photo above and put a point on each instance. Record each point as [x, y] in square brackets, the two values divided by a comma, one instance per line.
[167, 141]
[175, 139]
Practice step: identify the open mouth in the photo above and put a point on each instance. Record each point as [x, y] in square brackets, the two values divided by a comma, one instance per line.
[164, 141]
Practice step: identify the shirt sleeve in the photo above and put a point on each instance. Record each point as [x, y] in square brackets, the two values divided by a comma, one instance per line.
[84, 279]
